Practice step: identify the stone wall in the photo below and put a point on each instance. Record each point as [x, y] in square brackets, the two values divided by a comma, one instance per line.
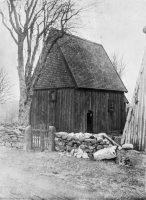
[79, 142]
[12, 137]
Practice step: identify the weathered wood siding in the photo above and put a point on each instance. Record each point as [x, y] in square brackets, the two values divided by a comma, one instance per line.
[97, 102]
[69, 112]
[135, 127]
[59, 113]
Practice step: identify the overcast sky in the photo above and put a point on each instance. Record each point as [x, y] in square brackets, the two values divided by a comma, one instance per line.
[116, 24]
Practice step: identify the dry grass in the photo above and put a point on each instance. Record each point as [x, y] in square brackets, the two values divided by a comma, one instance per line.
[102, 179]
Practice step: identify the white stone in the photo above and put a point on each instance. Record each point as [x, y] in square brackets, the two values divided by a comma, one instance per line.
[85, 155]
[127, 146]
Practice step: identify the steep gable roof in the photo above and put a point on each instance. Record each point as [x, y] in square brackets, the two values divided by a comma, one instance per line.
[85, 62]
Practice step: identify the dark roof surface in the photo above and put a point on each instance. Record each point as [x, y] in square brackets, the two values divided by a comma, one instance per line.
[81, 63]
[55, 72]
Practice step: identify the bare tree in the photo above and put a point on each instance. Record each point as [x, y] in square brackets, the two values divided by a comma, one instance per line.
[29, 23]
[5, 87]
[11, 115]
[118, 63]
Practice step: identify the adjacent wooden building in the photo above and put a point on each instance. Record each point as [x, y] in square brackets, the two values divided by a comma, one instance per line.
[79, 90]
[135, 126]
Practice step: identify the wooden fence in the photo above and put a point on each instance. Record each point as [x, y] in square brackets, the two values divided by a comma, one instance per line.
[42, 139]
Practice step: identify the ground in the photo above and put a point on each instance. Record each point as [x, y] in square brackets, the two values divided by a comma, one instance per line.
[51, 175]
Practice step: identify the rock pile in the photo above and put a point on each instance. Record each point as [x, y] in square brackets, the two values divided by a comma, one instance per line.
[131, 158]
[12, 137]
[80, 144]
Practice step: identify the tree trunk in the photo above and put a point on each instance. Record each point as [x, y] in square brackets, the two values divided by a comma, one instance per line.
[26, 86]
[24, 113]
[24, 102]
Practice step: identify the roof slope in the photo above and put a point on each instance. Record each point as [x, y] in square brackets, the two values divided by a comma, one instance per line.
[135, 127]
[54, 73]
[88, 66]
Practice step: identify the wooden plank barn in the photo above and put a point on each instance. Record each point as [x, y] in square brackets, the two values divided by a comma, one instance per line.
[79, 90]
[135, 126]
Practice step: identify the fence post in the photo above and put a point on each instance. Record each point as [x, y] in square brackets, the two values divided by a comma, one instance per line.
[27, 139]
[41, 138]
[51, 139]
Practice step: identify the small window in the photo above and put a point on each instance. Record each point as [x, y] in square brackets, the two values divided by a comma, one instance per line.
[53, 96]
[111, 105]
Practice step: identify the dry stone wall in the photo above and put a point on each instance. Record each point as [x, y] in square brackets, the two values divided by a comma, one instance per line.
[12, 137]
[79, 142]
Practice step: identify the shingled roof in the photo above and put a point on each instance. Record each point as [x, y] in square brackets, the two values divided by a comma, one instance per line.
[76, 62]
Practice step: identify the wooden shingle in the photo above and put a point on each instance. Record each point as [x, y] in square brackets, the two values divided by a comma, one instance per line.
[76, 62]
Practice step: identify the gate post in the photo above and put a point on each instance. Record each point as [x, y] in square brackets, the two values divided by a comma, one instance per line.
[51, 139]
[41, 138]
[27, 139]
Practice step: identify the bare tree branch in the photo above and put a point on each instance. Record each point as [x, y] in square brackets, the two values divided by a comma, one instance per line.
[5, 87]
[11, 32]
[118, 63]
[32, 21]
[13, 11]
[11, 18]
[32, 12]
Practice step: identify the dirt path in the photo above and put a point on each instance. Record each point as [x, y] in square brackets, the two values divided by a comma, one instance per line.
[44, 176]
[18, 184]
[18, 181]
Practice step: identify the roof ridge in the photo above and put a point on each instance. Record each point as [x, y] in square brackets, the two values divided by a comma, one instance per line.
[75, 36]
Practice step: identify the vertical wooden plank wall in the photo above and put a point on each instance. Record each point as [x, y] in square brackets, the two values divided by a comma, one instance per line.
[69, 112]
[59, 114]
[97, 102]
[116, 119]
[64, 110]
[82, 102]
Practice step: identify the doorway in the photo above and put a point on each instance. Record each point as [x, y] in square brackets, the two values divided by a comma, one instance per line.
[90, 121]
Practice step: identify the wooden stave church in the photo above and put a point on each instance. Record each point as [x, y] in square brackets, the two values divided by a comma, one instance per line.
[79, 90]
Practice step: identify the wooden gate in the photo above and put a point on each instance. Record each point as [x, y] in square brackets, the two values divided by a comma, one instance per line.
[40, 138]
